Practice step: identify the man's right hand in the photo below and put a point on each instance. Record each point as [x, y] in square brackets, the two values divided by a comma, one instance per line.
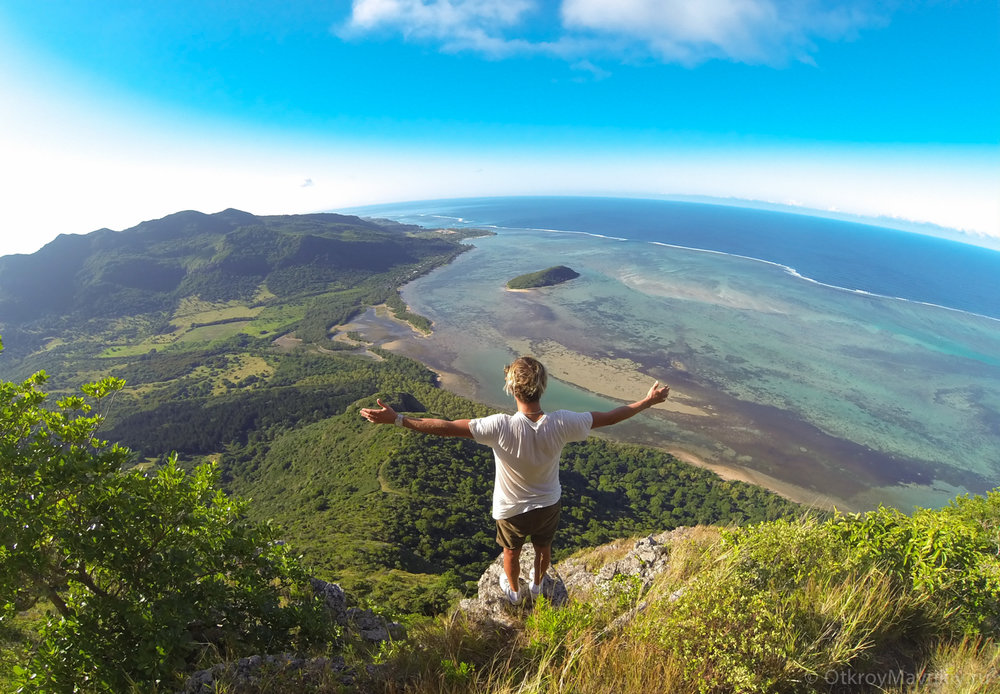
[383, 414]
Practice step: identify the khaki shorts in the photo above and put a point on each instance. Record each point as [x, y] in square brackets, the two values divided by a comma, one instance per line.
[539, 523]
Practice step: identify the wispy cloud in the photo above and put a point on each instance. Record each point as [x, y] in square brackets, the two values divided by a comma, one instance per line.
[588, 68]
[476, 25]
[750, 31]
[768, 32]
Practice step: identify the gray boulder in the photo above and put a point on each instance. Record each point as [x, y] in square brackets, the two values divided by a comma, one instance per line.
[249, 673]
[365, 623]
[491, 604]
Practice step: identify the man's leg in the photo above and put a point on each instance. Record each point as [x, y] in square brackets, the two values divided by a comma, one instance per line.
[543, 558]
[512, 566]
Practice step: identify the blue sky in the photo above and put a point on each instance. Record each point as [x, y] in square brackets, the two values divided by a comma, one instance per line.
[120, 111]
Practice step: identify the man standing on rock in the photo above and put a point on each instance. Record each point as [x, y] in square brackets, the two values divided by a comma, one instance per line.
[526, 446]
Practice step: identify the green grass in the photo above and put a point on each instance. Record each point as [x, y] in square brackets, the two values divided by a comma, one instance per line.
[195, 323]
[17, 634]
[133, 350]
[219, 314]
[213, 333]
[278, 318]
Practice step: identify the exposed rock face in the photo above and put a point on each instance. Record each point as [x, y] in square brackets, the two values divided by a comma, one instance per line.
[365, 623]
[491, 605]
[646, 560]
[248, 671]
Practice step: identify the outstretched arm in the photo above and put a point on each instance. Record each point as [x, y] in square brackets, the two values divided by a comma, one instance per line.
[383, 414]
[656, 395]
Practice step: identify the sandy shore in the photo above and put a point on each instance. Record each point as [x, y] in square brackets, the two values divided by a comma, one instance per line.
[616, 379]
[806, 497]
[619, 379]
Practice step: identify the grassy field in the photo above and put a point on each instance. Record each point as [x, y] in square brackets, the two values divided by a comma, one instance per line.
[196, 323]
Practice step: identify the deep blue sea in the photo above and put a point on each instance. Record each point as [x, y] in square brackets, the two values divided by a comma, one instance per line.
[852, 256]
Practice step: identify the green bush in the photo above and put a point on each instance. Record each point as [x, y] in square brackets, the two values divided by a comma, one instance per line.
[148, 576]
[550, 629]
[785, 602]
[948, 555]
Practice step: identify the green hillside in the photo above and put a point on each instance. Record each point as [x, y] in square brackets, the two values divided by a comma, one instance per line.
[154, 286]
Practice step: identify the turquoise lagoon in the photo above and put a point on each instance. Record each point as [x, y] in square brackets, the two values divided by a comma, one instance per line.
[859, 364]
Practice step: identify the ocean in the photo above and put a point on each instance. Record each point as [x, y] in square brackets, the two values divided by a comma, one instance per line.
[844, 363]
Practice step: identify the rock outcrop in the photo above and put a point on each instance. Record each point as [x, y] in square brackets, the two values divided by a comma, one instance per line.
[648, 558]
[572, 578]
[491, 605]
[365, 623]
[247, 673]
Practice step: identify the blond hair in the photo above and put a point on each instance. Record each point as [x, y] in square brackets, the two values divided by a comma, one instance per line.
[525, 379]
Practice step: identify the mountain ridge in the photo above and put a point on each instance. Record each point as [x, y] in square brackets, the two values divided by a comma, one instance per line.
[149, 269]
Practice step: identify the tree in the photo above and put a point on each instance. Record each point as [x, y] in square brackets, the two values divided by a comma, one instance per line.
[147, 575]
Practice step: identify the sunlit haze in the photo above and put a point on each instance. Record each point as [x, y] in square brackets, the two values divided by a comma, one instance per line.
[117, 113]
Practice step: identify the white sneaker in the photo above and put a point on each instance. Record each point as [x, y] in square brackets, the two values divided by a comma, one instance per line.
[513, 595]
[536, 588]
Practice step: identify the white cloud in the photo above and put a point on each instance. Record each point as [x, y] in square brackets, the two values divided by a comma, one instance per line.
[457, 24]
[771, 32]
[752, 31]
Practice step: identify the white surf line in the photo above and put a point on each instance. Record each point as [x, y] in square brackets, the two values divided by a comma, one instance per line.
[795, 273]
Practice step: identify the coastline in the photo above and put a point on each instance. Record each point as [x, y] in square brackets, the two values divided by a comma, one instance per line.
[617, 379]
[792, 492]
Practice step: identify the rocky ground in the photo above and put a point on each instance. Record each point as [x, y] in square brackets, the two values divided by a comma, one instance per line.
[571, 578]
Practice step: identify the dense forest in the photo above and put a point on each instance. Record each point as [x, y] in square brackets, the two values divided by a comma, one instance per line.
[543, 278]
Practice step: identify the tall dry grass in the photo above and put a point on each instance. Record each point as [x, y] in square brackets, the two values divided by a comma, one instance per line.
[786, 607]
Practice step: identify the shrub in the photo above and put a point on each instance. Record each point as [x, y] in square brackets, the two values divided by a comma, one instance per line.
[950, 556]
[550, 629]
[785, 602]
[148, 575]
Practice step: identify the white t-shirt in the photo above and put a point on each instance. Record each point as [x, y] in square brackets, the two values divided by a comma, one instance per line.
[527, 456]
